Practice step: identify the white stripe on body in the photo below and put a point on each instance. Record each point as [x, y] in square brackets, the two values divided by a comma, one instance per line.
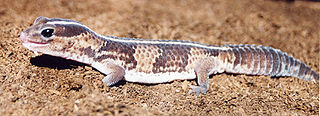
[142, 41]
[141, 77]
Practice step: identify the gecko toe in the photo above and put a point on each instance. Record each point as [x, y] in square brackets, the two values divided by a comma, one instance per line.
[197, 90]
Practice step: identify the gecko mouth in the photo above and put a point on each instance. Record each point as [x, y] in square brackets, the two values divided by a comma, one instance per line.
[36, 42]
[26, 41]
[32, 44]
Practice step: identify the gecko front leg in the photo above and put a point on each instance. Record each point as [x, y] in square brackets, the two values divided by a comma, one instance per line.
[114, 72]
[202, 69]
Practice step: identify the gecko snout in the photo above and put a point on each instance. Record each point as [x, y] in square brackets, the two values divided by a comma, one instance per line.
[23, 37]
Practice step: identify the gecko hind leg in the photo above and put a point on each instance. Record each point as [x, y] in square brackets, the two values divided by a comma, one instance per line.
[202, 70]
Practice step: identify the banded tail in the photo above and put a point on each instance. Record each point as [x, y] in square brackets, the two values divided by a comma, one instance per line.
[260, 60]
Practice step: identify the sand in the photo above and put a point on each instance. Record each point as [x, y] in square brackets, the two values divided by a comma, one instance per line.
[46, 85]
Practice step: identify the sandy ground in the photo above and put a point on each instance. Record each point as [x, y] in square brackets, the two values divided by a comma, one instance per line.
[46, 85]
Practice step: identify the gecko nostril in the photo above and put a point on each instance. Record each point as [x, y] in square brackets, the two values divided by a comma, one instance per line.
[22, 36]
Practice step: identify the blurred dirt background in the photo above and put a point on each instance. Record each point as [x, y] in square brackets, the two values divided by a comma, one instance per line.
[46, 85]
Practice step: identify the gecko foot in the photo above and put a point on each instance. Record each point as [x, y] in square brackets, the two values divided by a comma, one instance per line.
[197, 90]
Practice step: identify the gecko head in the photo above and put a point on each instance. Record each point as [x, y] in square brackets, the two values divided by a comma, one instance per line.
[53, 36]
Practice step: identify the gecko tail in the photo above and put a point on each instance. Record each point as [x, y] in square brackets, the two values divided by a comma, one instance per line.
[260, 60]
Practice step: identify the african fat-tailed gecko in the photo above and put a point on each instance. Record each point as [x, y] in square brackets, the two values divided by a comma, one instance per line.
[156, 61]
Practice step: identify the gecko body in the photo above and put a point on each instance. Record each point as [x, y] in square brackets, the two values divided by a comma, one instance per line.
[156, 61]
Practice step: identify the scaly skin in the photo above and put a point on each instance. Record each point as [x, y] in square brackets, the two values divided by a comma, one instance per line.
[156, 61]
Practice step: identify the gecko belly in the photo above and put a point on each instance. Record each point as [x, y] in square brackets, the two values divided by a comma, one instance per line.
[141, 77]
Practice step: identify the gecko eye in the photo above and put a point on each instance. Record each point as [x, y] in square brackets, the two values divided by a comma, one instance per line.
[47, 33]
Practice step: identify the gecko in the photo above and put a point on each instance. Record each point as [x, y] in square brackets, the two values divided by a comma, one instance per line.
[157, 61]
